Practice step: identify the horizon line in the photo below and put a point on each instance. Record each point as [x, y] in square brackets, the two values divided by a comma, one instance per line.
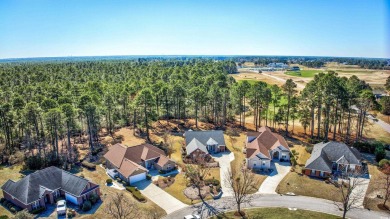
[197, 55]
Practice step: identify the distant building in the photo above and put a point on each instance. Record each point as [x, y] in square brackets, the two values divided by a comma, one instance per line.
[295, 68]
[277, 65]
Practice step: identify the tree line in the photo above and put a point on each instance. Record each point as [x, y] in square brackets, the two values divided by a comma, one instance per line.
[46, 105]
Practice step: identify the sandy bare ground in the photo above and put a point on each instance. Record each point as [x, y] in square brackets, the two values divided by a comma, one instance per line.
[376, 78]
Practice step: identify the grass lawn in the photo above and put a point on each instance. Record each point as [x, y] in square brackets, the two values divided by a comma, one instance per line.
[236, 147]
[12, 173]
[280, 213]
[303, 73]
[371, 201]
[303, 155]
[304, 185]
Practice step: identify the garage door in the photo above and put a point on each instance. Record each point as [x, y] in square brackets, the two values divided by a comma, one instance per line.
[71, 198]
[137, 178]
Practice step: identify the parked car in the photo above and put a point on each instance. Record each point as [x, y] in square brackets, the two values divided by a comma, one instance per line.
[193, 216]
[61, 207]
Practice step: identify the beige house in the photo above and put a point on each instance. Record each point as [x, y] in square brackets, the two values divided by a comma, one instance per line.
[264, 146]
[132, 164]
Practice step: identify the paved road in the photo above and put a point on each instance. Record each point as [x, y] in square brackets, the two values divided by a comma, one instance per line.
[381, 123]
[224, 160]
[269, 200]
[272, 181]
[159, 196]
[282, 80]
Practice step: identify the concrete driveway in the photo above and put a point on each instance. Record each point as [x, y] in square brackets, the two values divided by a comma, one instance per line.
[159, 196]
[224, 160]
[360, 192]
[281, 169]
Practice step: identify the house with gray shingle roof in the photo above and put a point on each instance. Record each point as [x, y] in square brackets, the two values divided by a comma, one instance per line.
[201, 143]
[330, 157]
[43, 187]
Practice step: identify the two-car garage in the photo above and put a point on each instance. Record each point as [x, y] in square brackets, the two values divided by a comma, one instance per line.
[71, 198]
[137, 177]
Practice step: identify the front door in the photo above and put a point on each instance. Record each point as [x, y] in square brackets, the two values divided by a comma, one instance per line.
[276, 155]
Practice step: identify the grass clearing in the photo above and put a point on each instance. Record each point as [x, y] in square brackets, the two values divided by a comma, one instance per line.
[280, 213]
[303, 73]
[371, 200]
[303, 155]
[303, 185]
[13, 173]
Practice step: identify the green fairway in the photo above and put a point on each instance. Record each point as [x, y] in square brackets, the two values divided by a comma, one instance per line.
[279, 213]
[303, 73]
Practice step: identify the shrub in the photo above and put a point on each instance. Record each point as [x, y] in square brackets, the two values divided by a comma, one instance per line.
[5, 203]
[93, 198]
[4, 217]
[38, 210]
[9, 205]
[383, 162]
[109, 181]
[148, 177]
[136, 193]
[12, 209]
[2, 200]
[309, 149]
[87, 206]
[88, 165]
[380, 152]
[70, 214]
[214, 182]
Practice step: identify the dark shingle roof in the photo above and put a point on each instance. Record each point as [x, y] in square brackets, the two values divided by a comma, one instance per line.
[31, 187]
[204, 136]
[324, 154]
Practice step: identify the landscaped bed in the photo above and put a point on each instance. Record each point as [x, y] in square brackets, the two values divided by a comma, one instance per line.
[279, 213]
[164, 182]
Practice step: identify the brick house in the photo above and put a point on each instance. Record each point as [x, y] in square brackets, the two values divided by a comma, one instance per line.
[202, 143]
[332, 157]
[44, 186]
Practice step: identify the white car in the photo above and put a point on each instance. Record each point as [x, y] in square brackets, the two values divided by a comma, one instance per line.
[61, 207]
[193, 216]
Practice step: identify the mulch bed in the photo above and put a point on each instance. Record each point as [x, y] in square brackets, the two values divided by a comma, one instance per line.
[192, 192]
[164, 182]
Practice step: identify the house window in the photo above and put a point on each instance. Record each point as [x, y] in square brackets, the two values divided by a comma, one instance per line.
[35, 205]
[168, 166]
[263, 163]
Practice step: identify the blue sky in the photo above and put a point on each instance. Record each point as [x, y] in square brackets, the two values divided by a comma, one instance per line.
[43, 28]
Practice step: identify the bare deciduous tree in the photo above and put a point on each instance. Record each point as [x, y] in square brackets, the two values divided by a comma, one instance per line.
[121, 207]
[196, 174]
[241, 181]
[350, 191]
